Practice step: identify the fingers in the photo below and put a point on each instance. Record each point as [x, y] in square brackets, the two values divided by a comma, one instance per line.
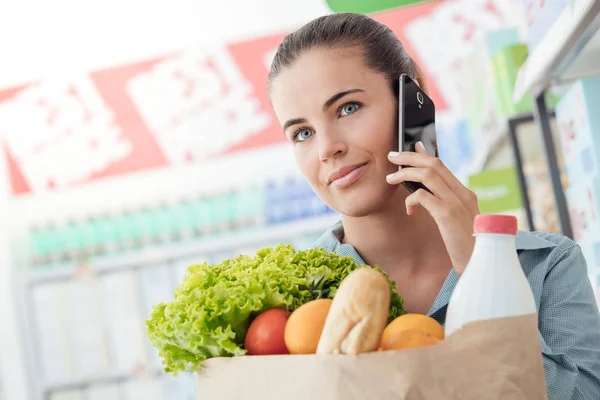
[420, 148]
[421, 159]
[425, 199]
[426, 176]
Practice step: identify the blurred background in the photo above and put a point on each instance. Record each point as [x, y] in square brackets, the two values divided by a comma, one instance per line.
[136, 138]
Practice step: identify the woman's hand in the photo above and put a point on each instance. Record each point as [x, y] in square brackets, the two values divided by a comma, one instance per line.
[452, 205]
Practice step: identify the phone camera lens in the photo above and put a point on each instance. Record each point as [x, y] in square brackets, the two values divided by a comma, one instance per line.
[419, 97]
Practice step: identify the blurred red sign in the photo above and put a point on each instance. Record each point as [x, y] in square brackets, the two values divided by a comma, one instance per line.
[183, 108]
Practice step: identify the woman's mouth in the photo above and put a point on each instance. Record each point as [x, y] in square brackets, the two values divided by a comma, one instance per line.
[346, 176]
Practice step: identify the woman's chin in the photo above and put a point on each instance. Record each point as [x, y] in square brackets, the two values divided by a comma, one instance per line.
[356, 205]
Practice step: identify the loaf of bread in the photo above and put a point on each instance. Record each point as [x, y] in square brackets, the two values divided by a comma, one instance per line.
[358, 314]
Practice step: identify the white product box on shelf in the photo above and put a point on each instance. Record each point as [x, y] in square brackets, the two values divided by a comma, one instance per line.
[122, 321]
[540, 17]
[578, 122]
[180, 387]
[103, 392]
[53, 354]
[591, 252]
[67, 395]
[141, 388]
[86, 333]
[583, 200]
[155, 287]
[584, 206]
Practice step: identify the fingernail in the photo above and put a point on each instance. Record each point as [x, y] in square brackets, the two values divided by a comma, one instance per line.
[421, 146]
[390, 176]
[393, 154]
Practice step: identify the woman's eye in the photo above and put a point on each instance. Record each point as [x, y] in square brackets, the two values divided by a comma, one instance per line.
[349, 108]
[302, 134]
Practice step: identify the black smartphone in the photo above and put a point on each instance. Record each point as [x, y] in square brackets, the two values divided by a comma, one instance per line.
[416, 122]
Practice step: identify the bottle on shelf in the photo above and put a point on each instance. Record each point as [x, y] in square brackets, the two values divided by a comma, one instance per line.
[278, 202]
[229, 215]
[104, 232]
[248, 207]
[200, 213]
[305, 196]
[164, 222]
[271, 203]
[494, 284]
[39, 245]
[88, 242]
[124, 232]
[256, 200]
[184, 220]
[292, 198]
[178, 222]
[143, 225]
[72, 241]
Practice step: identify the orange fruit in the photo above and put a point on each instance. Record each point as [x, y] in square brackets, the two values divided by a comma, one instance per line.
[305, 325]
[410, 339]
[406, 322]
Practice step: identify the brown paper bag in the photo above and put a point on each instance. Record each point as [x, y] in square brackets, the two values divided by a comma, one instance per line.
[486, 360]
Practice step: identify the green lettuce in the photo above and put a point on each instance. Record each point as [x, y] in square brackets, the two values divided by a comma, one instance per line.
[214, 305]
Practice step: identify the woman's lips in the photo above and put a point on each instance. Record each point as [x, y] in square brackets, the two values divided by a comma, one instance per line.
[347, 177]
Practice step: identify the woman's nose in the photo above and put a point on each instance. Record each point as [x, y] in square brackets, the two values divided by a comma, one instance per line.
[331, 145]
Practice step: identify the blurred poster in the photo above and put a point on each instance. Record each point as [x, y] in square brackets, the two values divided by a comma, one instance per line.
[184, 108]
[197, 105]
[445, 38]
[192, 106]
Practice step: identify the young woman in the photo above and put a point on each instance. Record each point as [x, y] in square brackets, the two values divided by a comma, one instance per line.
[332, 86]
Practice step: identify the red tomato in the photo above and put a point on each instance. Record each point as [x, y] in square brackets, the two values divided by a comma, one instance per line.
[266, 333]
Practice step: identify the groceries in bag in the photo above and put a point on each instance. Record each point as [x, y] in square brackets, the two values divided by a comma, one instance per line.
[415, 358]
[214, 306]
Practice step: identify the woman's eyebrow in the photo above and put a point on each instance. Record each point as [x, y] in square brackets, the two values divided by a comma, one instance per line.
[294, 121]
[327, 104]
[338, 96]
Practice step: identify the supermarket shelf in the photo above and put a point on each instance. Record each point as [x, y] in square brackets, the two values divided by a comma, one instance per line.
[569, 50]
[165, 253]
[101, 379]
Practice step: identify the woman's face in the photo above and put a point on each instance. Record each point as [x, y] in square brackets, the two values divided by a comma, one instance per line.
[341, 119]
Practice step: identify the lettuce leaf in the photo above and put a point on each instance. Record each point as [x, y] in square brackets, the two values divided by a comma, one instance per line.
[214, 305]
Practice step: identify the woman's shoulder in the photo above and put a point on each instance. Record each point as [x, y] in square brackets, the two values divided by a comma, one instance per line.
[542, 240]
[553, 252]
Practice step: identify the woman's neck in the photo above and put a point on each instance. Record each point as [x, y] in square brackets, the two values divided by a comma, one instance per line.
[397, 242]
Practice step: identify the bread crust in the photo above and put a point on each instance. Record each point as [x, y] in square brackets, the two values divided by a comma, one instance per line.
[358, 314]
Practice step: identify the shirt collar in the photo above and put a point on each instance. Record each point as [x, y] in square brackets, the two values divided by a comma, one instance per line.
[530, 241]
[524, 240]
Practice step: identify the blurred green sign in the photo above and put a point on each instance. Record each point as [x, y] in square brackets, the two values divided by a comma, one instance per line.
[497, 190]
[368, 6]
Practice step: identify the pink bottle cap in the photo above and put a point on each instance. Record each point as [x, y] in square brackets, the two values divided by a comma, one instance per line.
[499, 224]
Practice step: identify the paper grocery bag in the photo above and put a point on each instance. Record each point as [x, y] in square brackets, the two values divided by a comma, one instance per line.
[486, 360]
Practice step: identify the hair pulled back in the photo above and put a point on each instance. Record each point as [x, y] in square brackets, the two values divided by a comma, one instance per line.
[381, 49]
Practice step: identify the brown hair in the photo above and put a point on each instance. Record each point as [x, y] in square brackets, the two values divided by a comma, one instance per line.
[382, 50]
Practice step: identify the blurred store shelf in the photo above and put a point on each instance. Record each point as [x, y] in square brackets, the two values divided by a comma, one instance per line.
[569, 50]
[185, 250]
[94, 380]
[114, 294]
